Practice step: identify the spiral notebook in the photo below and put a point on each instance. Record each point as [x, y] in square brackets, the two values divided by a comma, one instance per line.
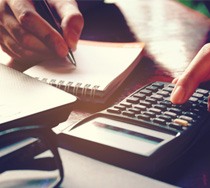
[101, 69]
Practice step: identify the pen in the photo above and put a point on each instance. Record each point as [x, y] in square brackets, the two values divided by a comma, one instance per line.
[45, 11]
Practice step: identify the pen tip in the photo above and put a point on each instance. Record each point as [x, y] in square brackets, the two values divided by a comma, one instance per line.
[71, 58]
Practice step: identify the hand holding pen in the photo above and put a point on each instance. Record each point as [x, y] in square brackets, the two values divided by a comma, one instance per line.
[27, 37]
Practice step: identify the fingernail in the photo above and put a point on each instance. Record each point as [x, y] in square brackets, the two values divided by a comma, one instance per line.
[178, 95]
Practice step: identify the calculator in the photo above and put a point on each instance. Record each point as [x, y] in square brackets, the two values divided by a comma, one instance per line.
[145, 132]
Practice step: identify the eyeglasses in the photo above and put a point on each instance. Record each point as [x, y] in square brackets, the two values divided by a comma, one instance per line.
[29, 157]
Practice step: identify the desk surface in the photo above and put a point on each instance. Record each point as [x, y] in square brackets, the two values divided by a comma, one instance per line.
[173, 34]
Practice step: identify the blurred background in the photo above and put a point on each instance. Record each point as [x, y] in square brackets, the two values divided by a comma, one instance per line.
[202, 6]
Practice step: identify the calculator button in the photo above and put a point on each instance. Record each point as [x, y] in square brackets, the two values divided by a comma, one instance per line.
[169, 89]
[158, 84]
[150, 114]
[153, 101]
[133, 100]
[197, 95]
[140, 96]
[159, 121]
[153, 88]
[176, 126]
[187, 118]
[181, 122]
[203, 105]
[145, 103]
[119, 107]
[156, 96]
[163, 93]
[171, 114]
[143, 117]
[193, 99]
[128, 113]
[167, 99]
[126, 104]
[155, 110]
[202, 91]
[146, 92]
[135, 110]
[171, 85]
[113, 110]
[159, 106]
[166, 103]
[141, 107]
[167, 118]
[175, 110]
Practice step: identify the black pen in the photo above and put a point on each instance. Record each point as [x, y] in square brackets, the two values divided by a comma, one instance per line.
[44, 9]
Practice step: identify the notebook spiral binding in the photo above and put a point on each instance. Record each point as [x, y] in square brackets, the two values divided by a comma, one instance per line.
[87, 91]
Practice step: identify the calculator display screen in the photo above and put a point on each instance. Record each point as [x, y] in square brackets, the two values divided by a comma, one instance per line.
[121, 135]
[129, 133]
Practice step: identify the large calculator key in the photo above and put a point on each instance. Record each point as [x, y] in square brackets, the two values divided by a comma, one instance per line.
[181, 122]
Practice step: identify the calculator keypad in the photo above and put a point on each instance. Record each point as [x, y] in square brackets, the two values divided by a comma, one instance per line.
[151, 105]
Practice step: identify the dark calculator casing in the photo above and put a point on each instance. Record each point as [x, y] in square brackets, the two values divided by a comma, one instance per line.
[145, 132]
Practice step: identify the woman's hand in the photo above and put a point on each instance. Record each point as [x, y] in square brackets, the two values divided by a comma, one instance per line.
[198, 71]
[27, 37]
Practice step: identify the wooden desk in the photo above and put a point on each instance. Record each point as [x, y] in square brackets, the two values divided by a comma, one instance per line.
[173, 34]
